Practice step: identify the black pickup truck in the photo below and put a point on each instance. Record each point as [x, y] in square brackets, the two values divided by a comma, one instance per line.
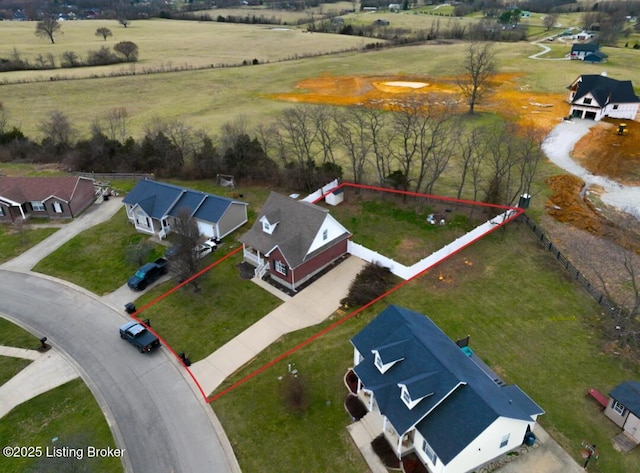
[138, 335]
[147, 274]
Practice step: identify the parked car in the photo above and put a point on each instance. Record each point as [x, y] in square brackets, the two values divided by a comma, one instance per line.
[203, 249]
[139, 336]
[147, 274]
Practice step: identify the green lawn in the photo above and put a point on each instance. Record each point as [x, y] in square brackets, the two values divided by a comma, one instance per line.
[14, 240]
[399, 230]
[9, 367]
[13, 336]
[65, 416]
[199, 323]
[95, 259]
[530, 323]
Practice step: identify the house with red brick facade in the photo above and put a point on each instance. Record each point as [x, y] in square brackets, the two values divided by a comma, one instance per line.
[62, 197]
[292, 241]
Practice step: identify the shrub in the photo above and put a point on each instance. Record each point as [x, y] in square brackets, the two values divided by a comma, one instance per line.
[373, 281]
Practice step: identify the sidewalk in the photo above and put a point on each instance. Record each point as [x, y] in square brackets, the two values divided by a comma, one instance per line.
[97, 213]
[309, 307]
[48, 370]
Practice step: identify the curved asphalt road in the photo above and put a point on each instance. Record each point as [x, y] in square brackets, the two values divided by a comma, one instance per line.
[153, 411]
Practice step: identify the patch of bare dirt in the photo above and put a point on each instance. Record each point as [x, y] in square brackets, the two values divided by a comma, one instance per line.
[604, 152]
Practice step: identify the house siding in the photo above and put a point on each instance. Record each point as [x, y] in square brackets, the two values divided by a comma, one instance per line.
[50, 206]
[232, 219]
[616, 418]
[632, 426]
[486, 446]
[301, 274]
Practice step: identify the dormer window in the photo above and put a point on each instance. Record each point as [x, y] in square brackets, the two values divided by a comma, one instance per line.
[405, 395]
[267, 226]
[381, 365]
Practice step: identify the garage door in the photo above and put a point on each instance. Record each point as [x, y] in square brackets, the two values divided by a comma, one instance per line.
[205, 229]
[590, 115]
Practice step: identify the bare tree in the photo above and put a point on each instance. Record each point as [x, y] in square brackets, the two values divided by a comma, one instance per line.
[116, 124]
[104, 32]
[4, 119]
[231, 131]
[380, 142]
[299, 138]
[550, 20]
[354, 135]
[471, 148]
[479, 66]
[57, 130]
[184, 262]
[624, 325]
[128, 49]
[47, 29]
[326, 134]
[123, 21]
[70, 59]
[180, 136]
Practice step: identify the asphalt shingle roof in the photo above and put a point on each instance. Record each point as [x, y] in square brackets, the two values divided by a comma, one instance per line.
[461, 399]
[605, 90]
[298, 223]
[26, 189]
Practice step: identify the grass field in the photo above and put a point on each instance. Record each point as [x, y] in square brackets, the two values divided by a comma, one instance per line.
[208, 98]
[13, 242]
[9, 367]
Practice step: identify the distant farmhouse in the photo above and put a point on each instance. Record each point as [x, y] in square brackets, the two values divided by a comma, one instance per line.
[50, 197]
[594, 97]
[582, 50]
[430, 395]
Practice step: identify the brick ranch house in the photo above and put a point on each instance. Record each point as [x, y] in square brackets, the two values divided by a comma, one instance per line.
[61, 197]
[594, 97]
[293, 240]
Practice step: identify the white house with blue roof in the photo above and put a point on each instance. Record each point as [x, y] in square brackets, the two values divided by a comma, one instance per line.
[434, 398]
[153, 206]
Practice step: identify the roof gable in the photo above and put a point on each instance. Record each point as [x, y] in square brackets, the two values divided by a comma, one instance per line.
[298, 223]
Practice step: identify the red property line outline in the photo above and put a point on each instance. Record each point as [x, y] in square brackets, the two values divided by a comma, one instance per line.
[516, 212]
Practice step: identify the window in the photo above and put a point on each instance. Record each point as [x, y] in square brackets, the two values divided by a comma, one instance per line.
[2, 212]
[504, 441]
[37, 206]
[586, 101]
[57, 208]
[426, 448]
[615, 107]
[619, 408]
[406, 397]
[325, 234]
[280, 267]
[266, 227]
[378, 362]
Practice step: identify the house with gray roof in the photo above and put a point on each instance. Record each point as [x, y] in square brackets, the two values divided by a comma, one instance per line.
[594, 97]
[153, 206]
[291, 241]
[430, 396]
[624, 409]
[55, 197]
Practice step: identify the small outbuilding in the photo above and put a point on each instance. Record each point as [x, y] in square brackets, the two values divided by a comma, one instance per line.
[624, 408]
